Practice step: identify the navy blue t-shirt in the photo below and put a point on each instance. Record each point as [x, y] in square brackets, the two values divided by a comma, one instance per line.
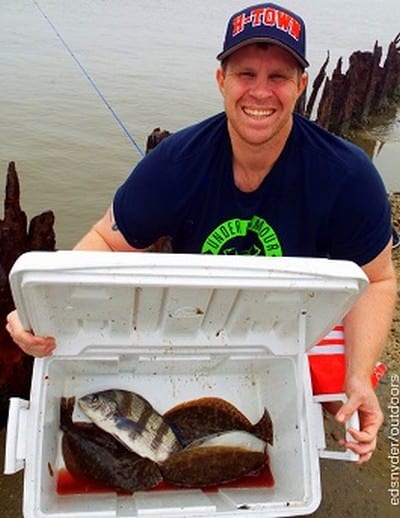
[322, 198]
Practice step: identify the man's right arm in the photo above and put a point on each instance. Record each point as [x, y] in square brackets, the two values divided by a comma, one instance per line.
[105, 236]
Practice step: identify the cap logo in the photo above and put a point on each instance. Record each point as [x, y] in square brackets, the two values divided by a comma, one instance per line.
[269, 17]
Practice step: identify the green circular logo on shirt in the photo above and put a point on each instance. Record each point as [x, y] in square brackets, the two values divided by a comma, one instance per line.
[260, 238]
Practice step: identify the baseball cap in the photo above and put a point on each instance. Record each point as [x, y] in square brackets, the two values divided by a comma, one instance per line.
[269, 23]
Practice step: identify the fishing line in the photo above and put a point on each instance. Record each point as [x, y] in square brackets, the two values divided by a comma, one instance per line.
[89, 78]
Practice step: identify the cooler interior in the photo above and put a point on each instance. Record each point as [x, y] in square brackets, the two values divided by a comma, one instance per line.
[250, 378]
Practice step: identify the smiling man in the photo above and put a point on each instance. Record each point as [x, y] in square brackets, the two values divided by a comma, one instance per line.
[258, 179]
[260, 84]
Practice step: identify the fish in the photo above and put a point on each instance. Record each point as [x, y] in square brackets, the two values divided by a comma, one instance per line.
[200, 417]
[215, 459]
[132, 420]
[93, 454]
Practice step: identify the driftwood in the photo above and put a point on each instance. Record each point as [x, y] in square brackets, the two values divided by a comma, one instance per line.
[15, 239]
[349, 100]
[155, 137]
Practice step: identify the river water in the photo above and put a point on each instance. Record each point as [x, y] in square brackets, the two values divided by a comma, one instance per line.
[154, 62]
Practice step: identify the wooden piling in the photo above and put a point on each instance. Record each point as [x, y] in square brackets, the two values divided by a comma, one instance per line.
[15, 239]
[349, 100]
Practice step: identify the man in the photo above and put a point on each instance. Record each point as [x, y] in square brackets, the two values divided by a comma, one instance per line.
[258, 179]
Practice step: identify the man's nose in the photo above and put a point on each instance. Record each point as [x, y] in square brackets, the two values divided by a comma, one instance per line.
[262, 87]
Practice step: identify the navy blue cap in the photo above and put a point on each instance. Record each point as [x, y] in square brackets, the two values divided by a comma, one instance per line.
[268, 23]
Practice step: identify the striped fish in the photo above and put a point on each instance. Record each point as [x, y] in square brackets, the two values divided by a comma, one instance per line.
[133, 421]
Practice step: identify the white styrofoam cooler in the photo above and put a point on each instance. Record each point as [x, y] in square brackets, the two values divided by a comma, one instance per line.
[174, 328]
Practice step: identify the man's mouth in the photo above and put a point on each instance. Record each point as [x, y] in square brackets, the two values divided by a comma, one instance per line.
[257, 113]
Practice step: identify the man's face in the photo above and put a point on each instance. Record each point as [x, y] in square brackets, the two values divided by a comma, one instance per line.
[260, 86]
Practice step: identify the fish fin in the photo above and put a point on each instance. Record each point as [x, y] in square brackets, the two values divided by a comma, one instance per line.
[177, 432]
[127, 424]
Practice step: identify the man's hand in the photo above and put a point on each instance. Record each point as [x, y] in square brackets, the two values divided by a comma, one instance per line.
[38, 346]
[361, 398]
[367, 326]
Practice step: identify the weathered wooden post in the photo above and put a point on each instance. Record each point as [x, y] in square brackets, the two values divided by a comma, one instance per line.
[15, 239]
[349, 100]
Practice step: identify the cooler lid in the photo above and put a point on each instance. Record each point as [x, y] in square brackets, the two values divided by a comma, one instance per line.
[96, 302]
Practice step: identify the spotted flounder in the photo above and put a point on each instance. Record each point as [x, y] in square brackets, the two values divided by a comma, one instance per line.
[204, 416]
[216, 459]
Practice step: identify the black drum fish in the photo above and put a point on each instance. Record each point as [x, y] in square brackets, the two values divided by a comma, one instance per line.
[133, 421]
[91, 453]
[198, 418]
[217, 459]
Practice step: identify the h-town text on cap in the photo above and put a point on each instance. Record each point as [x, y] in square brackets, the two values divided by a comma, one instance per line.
[266, 23]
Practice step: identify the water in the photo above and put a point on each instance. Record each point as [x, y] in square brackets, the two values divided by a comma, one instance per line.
[154, 60]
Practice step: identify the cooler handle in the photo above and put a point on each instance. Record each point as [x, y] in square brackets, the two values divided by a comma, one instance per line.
[16, 435]
[353, 422]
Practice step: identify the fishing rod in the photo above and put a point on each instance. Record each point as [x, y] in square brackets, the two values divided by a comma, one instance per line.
[89, 78]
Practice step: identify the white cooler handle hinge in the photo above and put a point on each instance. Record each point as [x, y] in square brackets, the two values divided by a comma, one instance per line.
[353, 422]
[16, 435]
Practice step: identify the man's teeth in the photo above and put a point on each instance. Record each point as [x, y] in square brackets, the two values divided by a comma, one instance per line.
[258, 113]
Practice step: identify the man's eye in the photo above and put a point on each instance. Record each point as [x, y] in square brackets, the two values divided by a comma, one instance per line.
[246, 74]
[278, 77]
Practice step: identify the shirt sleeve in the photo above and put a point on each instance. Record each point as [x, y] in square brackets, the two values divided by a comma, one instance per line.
[143, 204]
[361, 216]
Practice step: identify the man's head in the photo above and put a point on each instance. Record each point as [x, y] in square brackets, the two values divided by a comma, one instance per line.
[266, 23]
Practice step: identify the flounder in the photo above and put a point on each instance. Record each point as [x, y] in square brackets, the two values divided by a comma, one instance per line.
[132, 420]
[216, 459]
[209, 415]
[91, 453]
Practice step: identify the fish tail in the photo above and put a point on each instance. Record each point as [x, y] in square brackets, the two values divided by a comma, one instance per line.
[66, 410]
[263, 429]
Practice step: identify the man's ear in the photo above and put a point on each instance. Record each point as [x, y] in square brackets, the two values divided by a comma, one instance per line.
[220, 77]
[303, 82]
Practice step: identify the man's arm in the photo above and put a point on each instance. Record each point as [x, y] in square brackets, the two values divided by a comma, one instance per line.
[104, 235]
[367, 326]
